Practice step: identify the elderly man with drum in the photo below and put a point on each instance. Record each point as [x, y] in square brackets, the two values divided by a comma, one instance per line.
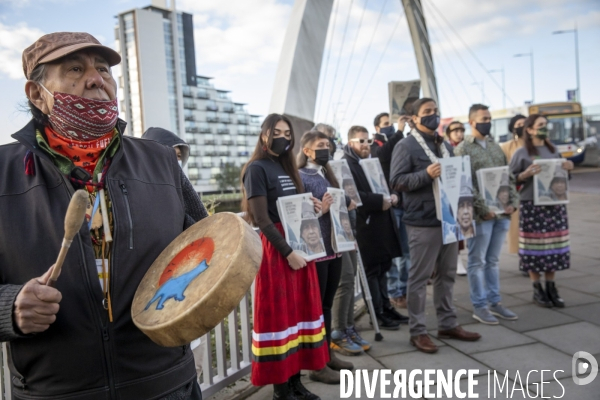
[77, 340]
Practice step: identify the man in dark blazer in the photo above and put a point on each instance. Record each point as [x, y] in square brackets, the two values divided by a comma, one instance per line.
[375, 232]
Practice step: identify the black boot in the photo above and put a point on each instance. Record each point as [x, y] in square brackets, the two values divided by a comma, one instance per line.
[553, 295]
[385, 322]
[299, 391]
[540, 297]
[395, 315]
[283, 392]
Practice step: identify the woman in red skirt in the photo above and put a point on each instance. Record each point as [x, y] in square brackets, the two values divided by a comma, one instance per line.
[289, 331]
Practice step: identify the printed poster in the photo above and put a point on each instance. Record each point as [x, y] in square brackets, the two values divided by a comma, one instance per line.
[342, 238]
[453, 192]
[375, 176]
[551, 185]
[342, 173]
[494, 187]
[301, 225]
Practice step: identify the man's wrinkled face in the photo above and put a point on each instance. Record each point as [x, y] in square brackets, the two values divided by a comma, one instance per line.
[84, 73]
[465, 214]
[310, 234]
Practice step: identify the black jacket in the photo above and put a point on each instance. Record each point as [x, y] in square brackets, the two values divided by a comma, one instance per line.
[170, 139]
[376, 230]
[82, 356]
[384, 151]
[409, 176]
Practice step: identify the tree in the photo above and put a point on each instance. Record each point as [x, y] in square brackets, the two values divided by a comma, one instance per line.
[229, 177]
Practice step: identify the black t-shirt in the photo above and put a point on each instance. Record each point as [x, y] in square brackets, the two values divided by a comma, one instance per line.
[267, 178]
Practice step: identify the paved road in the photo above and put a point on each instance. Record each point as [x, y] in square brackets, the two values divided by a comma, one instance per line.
[542, 339]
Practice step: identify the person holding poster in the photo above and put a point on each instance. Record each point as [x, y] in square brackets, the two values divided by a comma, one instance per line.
[548, 224]
[415, 165]
[317, 176]
[491, 228]
[287, 301]
[375, 232]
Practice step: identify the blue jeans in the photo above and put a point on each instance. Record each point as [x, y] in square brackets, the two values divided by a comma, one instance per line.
[398, 274]
[484, 255]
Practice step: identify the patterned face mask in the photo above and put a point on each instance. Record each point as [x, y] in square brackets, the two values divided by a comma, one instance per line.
[80, 118]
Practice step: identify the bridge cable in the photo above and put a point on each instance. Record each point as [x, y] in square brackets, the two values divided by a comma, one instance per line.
[338, 60]
[378, 64]
[350, 61]
[362, 64]
[448, 62]
[472, 53]
[330, 37]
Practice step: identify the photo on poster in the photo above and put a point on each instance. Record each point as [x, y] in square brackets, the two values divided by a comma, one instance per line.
[494, 187]
[454, 199]
[342, 173]
[375, 176]
[342, 238]
[551, 185]
[301, 225]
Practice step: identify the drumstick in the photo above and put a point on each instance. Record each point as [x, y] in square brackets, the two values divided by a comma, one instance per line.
[104, 209]
[73, 220]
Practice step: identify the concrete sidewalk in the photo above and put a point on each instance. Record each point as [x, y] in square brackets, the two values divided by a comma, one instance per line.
[541, 339]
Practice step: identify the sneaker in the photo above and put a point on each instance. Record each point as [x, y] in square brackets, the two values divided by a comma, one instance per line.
[357, 339]
[395, 315]
[501, 312]
[484, 316]
[343, 344]
[460, 268]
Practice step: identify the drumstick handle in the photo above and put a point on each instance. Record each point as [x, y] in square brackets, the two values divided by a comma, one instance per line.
[59, 262]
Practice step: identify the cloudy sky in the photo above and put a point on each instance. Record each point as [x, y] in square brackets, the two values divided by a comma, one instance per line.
[239, 41]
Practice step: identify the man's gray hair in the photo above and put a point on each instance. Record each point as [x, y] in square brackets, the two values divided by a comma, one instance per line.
[326, 129]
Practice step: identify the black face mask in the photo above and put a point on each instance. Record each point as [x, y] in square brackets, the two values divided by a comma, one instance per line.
[431, 122]
[387, 131]
[484, 128]
[280, 145]
[519, 131]
[321, 157]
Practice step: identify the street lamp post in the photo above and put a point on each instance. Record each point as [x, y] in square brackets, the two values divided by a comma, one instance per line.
[480, 84]
[503, 88]
[574, 31]
[530, 55]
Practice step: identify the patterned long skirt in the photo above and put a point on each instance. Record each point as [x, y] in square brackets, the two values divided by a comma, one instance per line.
[289, 329]
[543, 238]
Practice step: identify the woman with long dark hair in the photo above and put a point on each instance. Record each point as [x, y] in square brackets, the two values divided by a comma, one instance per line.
[543, 230]
[289, 332]
[317, 176]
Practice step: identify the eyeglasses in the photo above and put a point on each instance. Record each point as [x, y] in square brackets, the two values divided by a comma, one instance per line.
[362, 141]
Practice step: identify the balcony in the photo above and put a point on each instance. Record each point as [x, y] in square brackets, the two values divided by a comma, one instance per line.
[227, 142]
[211, 153]
[212, 107]
[223, 131]
[241, 143]
[212, 118]
[243, 130]
[206, 165]
[205, 129]
[192, 130]
[189, 105]
[190, 118]
[202, 94]
[192, 165]
[224, 153]
[192, 141]
[228, 108]
[187, 92]
[242, 120]
[224, 119]
[243, 153]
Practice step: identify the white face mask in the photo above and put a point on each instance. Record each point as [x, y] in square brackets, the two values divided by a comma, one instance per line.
[180, 163]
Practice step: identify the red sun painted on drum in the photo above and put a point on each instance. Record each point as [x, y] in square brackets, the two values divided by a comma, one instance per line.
[198, 250]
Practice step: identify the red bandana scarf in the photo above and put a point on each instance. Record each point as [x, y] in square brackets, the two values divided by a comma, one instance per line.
[83, 153]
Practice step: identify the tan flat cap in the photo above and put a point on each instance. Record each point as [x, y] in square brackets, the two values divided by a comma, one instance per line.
[55, 45]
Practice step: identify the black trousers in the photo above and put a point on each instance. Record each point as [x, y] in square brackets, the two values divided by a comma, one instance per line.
[329, 273]
[377, 280]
